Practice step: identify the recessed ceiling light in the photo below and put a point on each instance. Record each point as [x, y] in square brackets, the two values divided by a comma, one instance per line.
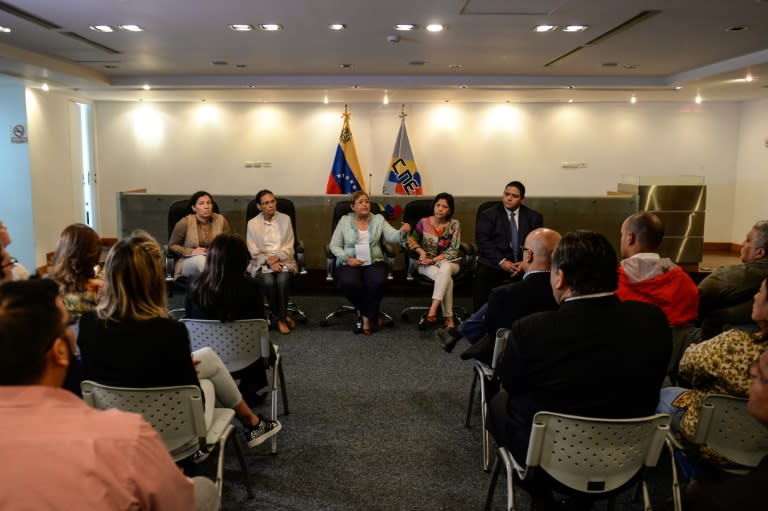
[45, 87]
[698, 99]
[102, 28]
[454, 66]
[355, 86]
[345, 66]
[219, 63]
[544, 28]
[251, 86]
[4, 29]
[271, 27]
[417, 62]
[610, 64]
[748, 78]
[678, 87]
[241, 28]
[337, 26]
[241, 66]
[386, 98]
[146, 86]
[575, 28]
[131, 28]
[630, 66]
[110, 66]
[633, 99]
[462, 86]
[405, 26]
[736, 28]
[570, 101]
[435, 27]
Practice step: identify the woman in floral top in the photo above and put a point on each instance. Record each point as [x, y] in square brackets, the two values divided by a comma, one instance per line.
[436, 240]
[718, 365]
[74, 268]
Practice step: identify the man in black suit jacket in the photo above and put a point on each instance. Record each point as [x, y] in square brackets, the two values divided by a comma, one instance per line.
[498, 254]
[594, 356]
[510, 302]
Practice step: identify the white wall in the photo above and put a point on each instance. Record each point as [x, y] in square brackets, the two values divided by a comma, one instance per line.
[15, 184]
[467, 149]
[56, 186]
[752, 169]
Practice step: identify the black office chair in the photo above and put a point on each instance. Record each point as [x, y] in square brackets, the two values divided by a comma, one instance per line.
[413, 212]
[176, 211]
[341, 209]
[286, 207]
[482, 207]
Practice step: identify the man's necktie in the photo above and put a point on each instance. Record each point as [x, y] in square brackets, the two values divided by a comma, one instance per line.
[514, 242]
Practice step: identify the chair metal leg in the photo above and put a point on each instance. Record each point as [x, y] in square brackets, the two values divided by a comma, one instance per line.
[505, 457]
[676, 498]
[485, 435]
[492, 484]
[275, 386]
[471, 398]
[243, 467]
[282, 389]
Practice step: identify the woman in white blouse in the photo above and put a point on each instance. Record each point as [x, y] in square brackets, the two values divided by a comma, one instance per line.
[270, 241]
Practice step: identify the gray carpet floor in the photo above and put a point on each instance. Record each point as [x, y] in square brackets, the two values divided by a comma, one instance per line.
[375, 423]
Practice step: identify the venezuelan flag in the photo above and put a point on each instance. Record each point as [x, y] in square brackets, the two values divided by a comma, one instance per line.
[403, 176]
[346, 176]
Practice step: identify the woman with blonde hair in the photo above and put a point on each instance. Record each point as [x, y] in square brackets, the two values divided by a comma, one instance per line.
[74, 268]
[130, 341]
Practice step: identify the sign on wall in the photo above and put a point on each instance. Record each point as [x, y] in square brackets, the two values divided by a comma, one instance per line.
[18, 134]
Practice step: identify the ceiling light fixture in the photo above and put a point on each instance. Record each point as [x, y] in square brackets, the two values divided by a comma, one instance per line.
[337, 26]
[271, 27]
[435, 27]
[633, 99]
[45, 87]
[748, 78]
[698, 99]
[678, 87]
[737, 28]
[130, 28]
[544, 28]
[241, 28]
[345, 66]
[325, 99]
[570, 101]
[386, 98]
[405, 27]
[575, 28]
[462, 86]
[102, 28]
[146, 86]
[4, 29]
[454, 66]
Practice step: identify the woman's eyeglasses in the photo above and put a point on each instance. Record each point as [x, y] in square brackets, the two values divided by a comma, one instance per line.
[11, 262]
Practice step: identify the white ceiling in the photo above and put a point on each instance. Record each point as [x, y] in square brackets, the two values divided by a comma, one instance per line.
[675, 43]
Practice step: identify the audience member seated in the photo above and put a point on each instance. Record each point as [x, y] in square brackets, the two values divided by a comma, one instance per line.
[224, 292]
[646, 277]
[361, 271]
[436, 239]
[510, 302]
[130, 341]
[74, 268]
[595, 356]
[273, 262]
[194, 233]
[18, 270]
[6, 266]
[499, 231]
[718, 365]
[742, 491]
[61, 453]
[725, 296]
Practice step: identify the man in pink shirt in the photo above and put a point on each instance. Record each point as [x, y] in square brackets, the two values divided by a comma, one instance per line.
[60, 453]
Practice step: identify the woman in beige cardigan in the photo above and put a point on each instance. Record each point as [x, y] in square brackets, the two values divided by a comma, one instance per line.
[194, 233]
[270, 241]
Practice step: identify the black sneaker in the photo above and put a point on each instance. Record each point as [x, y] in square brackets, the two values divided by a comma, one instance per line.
[259, 434]
[448, 337]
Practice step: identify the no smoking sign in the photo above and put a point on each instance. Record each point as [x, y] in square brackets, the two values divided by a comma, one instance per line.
[18, 134]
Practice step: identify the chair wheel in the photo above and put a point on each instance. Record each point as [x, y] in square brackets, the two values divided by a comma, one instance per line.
[423, 323]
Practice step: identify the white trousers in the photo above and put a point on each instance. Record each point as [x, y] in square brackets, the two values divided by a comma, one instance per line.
[217, 384]
[442, 273]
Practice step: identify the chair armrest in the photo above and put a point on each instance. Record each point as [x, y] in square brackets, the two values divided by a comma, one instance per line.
[330, 263]
[299, 249]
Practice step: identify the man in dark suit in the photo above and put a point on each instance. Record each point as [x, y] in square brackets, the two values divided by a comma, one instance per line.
[510, 302]
[595, 356]
[499, 233]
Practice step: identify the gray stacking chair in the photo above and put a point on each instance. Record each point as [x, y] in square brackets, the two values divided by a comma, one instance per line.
[177, 415]
[483, 373]
[726, 427]
[240, 344]
[588, 455]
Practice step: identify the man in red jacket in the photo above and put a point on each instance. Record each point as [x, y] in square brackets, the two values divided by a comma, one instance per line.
[645, 276]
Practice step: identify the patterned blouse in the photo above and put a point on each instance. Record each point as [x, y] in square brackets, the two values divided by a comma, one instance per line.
[83, 300]
[435, 241]
[716, 366]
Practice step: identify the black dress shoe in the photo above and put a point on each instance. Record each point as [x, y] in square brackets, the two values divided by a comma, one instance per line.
[448, 338]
